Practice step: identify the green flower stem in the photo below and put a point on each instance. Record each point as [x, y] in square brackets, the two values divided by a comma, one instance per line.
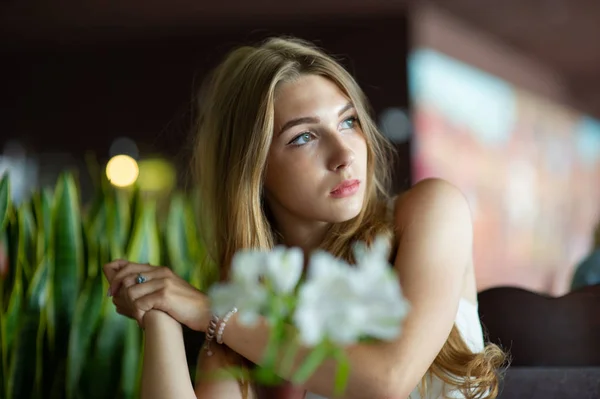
[321, 352]
[343, 371]
[290, 352]
[266, 373]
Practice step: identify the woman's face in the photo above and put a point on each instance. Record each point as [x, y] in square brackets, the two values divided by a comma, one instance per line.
[317, 163]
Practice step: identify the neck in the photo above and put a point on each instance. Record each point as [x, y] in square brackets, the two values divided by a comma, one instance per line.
[296, 232]
[305, 235]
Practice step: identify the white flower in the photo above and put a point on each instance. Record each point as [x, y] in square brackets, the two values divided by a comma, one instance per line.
[284, 268]
[245, 291]
[382, 301]
[253, 271]
[381, 290]
[250, 300]
[248, 266]
[324, 304]
[343, 302]
[376, 255]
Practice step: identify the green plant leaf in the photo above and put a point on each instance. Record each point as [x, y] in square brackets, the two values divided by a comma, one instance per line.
[10, 321]
[119, 222]
[42, 206]
[102, 376]
[97, 217]
[182, 238]
[67, 265]
[4, 269]
[67, 341]
[40, 341]
[132, 361]
[85, 320]
[9, 241]
[134, 203]
[26, 252]
[24, 367]
[4, 200]
[144, 245]
[93, 169]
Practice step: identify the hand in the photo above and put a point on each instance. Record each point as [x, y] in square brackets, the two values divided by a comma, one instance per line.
[163, 290]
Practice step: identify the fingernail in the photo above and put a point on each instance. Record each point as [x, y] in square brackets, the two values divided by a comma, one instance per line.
[108, 293]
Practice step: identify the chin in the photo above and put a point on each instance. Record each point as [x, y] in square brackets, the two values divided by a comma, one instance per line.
[346, 210]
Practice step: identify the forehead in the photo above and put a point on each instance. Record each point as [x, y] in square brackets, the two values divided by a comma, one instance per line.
[307, 95]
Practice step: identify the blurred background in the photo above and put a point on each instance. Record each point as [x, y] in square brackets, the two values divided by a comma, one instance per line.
[500, 98]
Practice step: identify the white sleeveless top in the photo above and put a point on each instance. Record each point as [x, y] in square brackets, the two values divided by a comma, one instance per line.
[469, 326]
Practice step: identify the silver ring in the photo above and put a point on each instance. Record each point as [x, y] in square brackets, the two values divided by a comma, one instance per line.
[141, 278]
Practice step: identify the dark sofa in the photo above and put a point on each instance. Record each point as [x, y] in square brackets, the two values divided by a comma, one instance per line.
[554, 342]
[551, 383]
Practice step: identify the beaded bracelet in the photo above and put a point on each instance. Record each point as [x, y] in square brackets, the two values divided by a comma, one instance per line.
[210, 334]
[223, 323]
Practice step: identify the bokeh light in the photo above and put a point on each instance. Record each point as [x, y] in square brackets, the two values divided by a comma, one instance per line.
[122, 170]
[157, 174]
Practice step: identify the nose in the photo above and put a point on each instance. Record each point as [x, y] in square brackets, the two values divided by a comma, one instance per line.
[341, 156]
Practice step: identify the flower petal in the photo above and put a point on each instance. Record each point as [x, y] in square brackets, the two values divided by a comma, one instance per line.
[248, 266]
[251, 300]
[284, 268]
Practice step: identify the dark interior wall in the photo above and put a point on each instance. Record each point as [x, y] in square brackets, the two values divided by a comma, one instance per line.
[79, 98]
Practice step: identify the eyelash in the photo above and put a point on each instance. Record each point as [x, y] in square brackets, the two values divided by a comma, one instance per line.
[353, 119]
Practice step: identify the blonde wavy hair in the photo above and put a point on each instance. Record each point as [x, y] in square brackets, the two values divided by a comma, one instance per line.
[234, 132]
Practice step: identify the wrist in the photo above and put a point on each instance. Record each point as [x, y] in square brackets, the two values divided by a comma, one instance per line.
[205, 315]
[215, 330]
[155, 317]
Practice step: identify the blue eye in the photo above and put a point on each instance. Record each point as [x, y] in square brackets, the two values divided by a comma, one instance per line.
[349, 123]
[302, 139]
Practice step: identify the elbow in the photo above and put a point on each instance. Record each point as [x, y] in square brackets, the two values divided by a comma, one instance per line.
[392, 385]
[392, 390]
[383, 376]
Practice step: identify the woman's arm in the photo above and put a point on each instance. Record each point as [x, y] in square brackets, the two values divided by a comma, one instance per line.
[435, 234]
[213, 381]
[165, 372]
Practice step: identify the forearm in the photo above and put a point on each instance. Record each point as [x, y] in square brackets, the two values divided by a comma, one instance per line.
[370, 365]
[165, 372]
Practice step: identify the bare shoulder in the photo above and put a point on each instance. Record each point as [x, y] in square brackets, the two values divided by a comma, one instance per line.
[435, 230]
[434, 254]
[434, 199]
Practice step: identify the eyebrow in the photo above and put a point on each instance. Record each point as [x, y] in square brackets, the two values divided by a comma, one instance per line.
[310, 119]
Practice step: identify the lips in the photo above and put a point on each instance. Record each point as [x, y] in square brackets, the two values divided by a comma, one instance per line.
[346, 187]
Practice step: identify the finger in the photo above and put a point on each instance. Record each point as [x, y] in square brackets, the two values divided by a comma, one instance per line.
[130, 268]
[154, 300]
[119, 302]
[136, 291]
[156, 273]
[139, 317]
[111, 269]
[126, 310]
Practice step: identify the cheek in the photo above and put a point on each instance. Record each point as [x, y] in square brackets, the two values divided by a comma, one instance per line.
[359, 147]
[279, 172]
[289, 174]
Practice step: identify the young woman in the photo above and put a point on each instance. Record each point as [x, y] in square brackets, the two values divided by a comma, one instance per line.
[288, 153]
